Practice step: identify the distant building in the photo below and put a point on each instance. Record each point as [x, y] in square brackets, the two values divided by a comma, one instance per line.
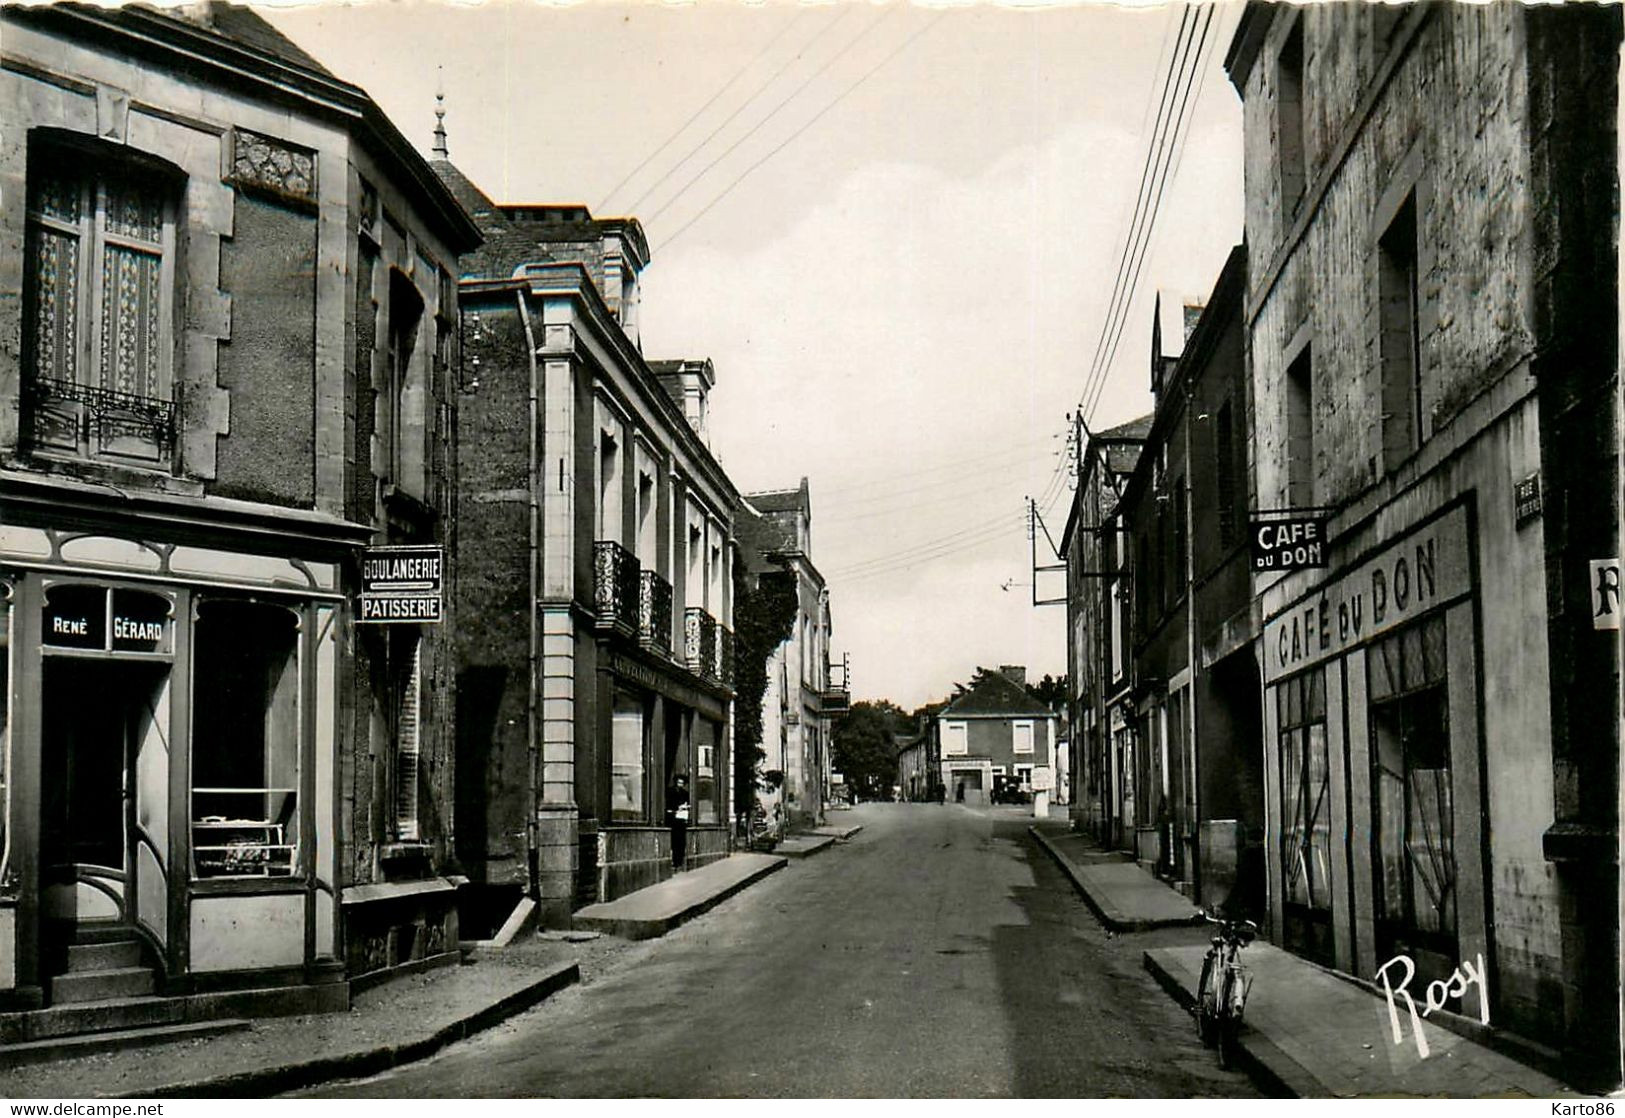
[990, 738]
[230, 333]
[801, 702]
[595, 651]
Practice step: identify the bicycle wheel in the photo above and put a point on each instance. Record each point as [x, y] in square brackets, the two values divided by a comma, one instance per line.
[1225, 1022]
[1207, 1002]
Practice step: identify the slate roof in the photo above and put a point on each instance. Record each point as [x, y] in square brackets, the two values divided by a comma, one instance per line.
[998, 695]
[250, 29]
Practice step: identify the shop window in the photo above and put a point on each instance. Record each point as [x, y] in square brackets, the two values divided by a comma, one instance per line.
[707, 780]
[406, 676]
[98, 307]
[628, 748]
[1306, 814]
[245, 740]
[1400, 337]
[1412, 799]
[5, 735]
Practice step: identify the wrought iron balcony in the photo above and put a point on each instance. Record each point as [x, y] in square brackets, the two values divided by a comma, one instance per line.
[836, 701]
[615, 586]
[75, 418]
[654, 612]
[700, 643]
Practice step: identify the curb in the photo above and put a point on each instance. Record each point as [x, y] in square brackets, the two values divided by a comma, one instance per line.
[1271, 1070]
[824, 843]
[1113, 918]
[265, 1082]
[656, 927]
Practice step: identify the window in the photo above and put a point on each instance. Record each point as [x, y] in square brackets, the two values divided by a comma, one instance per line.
[627, 749]
[245, 740]
[403, 390]
[954, 743]
[1414, 825]
[1021, 737]
[1300, 432]
[1305, 814]
[707, 780]
[406, 672]
[609, 486]
[1290, 110]
[5, 727]
[99, 308]
[1400, 337]
[1224, 472]
[646, 520]
[1181, 542]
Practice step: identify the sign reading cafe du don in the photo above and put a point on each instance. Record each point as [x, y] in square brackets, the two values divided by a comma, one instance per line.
[1416, 573]
[1297, 544]
[401, 585]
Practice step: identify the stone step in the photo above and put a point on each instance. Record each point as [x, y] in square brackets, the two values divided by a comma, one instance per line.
[91, 1017]
[66, 1047]
[101, 985]
[103, 956]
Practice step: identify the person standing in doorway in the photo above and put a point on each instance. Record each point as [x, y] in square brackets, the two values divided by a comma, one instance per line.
[677, 819]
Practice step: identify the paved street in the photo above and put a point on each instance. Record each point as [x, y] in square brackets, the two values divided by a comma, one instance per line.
[938, 953]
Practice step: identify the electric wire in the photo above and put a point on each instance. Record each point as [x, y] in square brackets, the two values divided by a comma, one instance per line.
[1156, 209]
[775, 111]
[701, 111]
[788, 140]
[741, 107]
[935, 547]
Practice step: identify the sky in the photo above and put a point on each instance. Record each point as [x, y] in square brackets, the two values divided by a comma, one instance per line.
[895, 229]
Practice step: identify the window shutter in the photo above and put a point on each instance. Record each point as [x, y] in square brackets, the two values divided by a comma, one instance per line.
[406, 749]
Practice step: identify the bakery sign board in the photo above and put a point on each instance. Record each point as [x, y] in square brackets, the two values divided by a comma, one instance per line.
[401, 585]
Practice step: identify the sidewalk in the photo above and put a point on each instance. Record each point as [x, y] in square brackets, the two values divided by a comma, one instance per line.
[804, 846]
[657, 909]
[1309, 1033]
[394, 1023]
[1125, 897]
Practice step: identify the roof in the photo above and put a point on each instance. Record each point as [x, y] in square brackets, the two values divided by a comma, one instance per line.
[1135, 429]
[783, 500]
[762, 534]
[997, 695]
[249, 28]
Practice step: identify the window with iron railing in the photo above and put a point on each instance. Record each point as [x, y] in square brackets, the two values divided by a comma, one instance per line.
[99, 308]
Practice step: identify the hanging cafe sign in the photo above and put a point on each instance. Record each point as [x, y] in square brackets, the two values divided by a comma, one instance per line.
[1295, 543]
[401, 585]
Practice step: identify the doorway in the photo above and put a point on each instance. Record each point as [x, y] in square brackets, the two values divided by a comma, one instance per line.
[95, 717]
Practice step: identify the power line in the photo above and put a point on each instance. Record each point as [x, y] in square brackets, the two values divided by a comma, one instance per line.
[904, 45]
[892, 496]
[993, 536]
[1156, 208]
[930, 548]
[1121, 292]
[741, 107]
[775, 110]
[681, 128]
[1025, 449]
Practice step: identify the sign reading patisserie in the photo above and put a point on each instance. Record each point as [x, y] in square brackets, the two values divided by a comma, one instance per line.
[401, 585]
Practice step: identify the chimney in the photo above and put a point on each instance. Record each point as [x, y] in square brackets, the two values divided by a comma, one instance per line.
[1015, 673]
[689, 384]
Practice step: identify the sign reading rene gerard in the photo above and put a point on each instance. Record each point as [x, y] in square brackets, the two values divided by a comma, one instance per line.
[401, 585]
[1297, 544]
[1427, 568]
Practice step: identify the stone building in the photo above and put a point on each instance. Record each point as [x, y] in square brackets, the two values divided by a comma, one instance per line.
[1095, 547]
[227, 328]
[1431, 326]
[799, 704]
[990, 738]
[594, 647]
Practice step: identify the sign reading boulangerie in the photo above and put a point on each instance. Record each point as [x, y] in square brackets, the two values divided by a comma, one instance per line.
[401, 585]
[1416, 573]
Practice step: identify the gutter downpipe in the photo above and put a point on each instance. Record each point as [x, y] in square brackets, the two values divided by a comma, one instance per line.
[533, 568]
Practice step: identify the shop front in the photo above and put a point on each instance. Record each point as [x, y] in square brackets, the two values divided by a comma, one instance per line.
[170, 724]
[661, 725]
[1376, 812]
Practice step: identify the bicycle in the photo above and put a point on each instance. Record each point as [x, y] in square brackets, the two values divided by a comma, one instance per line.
[1221, 993]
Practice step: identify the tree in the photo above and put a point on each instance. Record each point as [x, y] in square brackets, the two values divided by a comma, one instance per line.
[1051, 690]
[863, 749]
[764, 618]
